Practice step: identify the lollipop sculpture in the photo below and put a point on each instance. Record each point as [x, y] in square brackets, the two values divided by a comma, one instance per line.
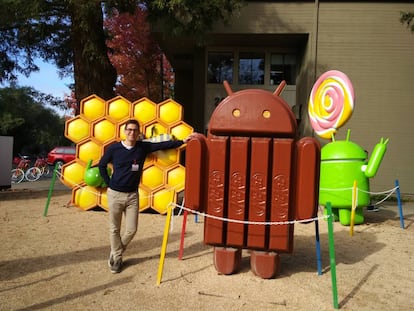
[331, 103]
[344, 164]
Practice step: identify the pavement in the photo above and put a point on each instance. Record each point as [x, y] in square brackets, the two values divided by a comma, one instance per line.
[43, 183]
[37, 188]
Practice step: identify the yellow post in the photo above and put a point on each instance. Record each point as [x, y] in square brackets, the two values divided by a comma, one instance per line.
[164, 244]
[354, 204]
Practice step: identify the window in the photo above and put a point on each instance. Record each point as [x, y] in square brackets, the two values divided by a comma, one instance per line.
[220, 67]
[258, 67]
[251, 67]
[70, 150]
[282, 67]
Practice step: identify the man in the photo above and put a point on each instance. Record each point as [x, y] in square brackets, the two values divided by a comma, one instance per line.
[127, 158]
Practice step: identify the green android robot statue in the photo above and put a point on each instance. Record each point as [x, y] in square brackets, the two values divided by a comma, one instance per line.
[93, 178]
[331, 104]
[343, 163]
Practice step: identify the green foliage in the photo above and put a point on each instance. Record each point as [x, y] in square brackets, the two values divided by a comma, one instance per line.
[407, 18]
[31, 29]
[70, 34]
[191, 17]
[24, 116]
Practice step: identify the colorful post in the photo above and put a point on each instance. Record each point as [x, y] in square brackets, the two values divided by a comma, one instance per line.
[400, 211]
[354, 204]
[52, 186]
[180, 253]
[318, 248]
[332, 255]
[164, 244]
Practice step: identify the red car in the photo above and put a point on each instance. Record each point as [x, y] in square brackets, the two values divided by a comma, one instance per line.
[61, 155]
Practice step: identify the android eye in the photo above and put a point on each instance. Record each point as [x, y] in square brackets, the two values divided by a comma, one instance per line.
[236, 113]
[266, 114]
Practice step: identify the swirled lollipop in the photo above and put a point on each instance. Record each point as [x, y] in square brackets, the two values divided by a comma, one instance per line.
[331, 103]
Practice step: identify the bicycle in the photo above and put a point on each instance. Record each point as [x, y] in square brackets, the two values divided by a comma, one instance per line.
[42, 165]
[24, 171]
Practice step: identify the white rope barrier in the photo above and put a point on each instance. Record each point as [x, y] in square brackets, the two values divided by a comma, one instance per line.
[271, 223]
[388, 193]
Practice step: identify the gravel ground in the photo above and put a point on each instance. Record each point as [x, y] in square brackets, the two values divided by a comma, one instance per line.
[59, 262]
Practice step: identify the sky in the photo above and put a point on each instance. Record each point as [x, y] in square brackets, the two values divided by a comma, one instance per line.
[47, 81]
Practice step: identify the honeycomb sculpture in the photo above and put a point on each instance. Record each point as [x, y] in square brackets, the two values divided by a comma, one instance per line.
[101, 123]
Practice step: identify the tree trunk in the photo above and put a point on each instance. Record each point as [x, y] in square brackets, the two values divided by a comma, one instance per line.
[93, 72]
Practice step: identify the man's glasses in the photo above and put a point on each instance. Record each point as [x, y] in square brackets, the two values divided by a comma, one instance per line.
[132, 130]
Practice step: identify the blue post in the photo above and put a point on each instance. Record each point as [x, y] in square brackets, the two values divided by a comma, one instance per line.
[397, 185]
[318, 248]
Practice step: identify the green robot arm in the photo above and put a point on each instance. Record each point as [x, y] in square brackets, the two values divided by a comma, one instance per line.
[376, 158]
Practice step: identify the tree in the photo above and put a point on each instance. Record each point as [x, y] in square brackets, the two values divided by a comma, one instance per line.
[143, 70]
[70, 33]
[189, 17]
[407, 18]
[23, 115]
[93, 71]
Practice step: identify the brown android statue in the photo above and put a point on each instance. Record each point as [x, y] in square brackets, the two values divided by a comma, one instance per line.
[253, 178]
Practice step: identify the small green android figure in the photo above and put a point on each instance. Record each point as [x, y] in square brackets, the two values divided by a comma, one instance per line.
[342, 163]
[93, 178]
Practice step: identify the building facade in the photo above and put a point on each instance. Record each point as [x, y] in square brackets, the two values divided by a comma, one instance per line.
[297, 41]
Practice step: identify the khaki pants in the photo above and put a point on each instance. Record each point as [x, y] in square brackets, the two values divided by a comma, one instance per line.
[122, 203]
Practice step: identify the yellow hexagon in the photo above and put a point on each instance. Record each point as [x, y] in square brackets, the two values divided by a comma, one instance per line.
[89, 150]
[169, 112]
[121, 132]
[72, 173]
[150, 160]
[167, 157]
[144, 111]
[103, 199]
[101, 123]
[181, 130]
[153, 177]
[119, 108]
[154, 129]
[144, 198]
[176, 178]
[162, 200]
[77, 129]
[92, 108]
[85, 197]
[104, 131]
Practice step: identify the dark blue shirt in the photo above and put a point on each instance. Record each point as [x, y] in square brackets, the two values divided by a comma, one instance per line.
[126, 175]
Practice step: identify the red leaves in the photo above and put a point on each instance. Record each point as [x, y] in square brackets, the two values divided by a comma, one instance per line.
[142, 68]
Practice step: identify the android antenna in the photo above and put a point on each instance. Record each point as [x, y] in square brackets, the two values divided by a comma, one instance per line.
[348, 135]
[227, 87]
[280, 88]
